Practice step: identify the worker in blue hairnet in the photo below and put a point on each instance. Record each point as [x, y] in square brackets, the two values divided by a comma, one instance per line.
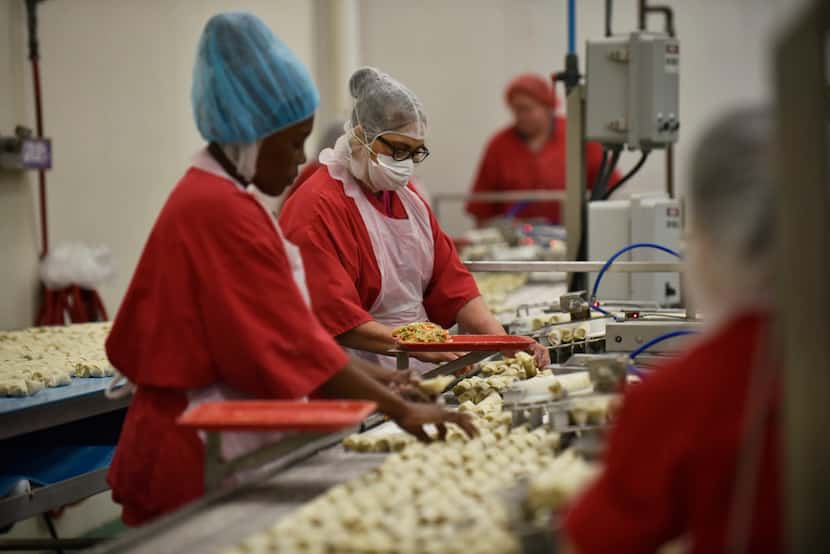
[218, 306]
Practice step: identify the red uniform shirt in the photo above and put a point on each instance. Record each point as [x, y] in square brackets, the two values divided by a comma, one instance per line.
[343, 275]
[509, 164]
[670, 464]
[212, 301]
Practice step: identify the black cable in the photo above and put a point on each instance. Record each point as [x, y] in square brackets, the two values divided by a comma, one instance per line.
[641, 15]
[644, 9]
[667, 13]
[615, 158]
[579, 281]
[609, 8]
[52, 531]
[596, 193]
[605, 174]
[31, 20]
[628, 175]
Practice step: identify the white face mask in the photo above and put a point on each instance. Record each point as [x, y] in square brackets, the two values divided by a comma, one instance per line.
[389, 174]
[386, 173]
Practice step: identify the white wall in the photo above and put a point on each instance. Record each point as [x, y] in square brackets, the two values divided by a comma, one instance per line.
[458, 56]
[116, 85]
[116, 80]
[18, 241]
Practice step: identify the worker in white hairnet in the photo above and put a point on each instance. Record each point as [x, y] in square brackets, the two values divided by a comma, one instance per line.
[218, 306]
[380, 258]
[694, 450]
[332, 133]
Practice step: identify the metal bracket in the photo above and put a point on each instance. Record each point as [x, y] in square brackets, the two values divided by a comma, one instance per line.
[217, 469]
[458, 364]
[48, 497]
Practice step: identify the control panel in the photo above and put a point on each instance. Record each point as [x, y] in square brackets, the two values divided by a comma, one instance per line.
[632, 90]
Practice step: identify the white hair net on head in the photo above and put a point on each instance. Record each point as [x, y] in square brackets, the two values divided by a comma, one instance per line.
[382, 104]
[732, 184]
[732, 208]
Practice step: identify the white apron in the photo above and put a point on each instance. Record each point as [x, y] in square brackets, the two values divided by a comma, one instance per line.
[235, 444]
[404, 250]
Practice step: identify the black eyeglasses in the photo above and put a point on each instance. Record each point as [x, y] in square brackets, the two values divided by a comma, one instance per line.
[400, 154]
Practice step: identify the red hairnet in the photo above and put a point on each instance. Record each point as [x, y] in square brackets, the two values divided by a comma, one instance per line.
[536, 86]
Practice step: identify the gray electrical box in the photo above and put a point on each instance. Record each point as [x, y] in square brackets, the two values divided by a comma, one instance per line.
[22, 151]
[632, 90]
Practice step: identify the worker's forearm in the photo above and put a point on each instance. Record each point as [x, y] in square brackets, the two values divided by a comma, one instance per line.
[370, 336]
[475, 318]
[352, 382]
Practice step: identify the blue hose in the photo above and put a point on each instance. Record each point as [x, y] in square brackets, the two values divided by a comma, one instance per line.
[659, 339]
[639, 373]
[622, 251]
[571, 26]
[602, 311]
[514, 210]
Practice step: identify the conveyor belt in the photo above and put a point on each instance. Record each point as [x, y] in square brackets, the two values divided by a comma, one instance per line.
[531, 294]
[212, 524]
[55, 406]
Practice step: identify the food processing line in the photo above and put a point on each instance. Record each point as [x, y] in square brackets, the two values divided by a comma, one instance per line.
[233, 512]
[593, 350]
[629, 324]
[224, 518]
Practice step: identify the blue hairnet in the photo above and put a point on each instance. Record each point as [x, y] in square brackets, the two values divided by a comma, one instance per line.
[247, 84]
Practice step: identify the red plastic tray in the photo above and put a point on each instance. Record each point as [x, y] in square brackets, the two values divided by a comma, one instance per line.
[470, 343]
[277, 415]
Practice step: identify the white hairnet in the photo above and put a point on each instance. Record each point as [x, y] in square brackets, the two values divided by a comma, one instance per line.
[731, 194]
[732, 184]
[382, 104]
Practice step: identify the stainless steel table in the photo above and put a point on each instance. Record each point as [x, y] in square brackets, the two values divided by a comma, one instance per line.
[227, 517]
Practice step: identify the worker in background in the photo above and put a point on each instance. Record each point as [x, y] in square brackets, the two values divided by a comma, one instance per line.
[381, 260]
[694, 451]
[529, 155]
[218, 306]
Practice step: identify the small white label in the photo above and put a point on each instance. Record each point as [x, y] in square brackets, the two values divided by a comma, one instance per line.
[672, 63]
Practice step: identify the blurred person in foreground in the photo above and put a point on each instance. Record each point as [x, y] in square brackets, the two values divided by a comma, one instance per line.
[694, 452]
[529, 155]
